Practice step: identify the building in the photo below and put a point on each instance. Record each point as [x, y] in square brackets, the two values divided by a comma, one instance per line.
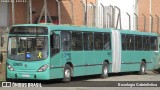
[148, 7]
[20, 10]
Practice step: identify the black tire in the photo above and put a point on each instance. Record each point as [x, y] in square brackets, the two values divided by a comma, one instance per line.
[105, 70]
[142, 68]
[67, 73]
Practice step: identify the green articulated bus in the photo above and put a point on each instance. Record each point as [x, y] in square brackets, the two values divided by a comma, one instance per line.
[47, 51]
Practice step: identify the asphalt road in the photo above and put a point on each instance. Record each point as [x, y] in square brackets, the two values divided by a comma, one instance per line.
[111, 81]
[116, 81]
[130, 79]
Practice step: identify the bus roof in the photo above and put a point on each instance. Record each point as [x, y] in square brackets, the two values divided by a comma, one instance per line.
[67, 27]
[137, 32]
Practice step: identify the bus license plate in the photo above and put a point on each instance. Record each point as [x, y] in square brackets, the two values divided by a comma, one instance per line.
[25, 75]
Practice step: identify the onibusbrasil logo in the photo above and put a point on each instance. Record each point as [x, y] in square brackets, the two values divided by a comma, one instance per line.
[13, 0]
[14, 84]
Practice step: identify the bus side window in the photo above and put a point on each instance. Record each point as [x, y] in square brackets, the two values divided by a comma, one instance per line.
[77, 41]
[138, 42]
[107, 41]
[124, 42]
[98, 41]
[130, 42]
[146, 43]
[66, 41]
[88, 41]
[154, 43]
[55, 44]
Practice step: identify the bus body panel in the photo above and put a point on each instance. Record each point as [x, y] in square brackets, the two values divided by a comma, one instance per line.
[78, 62]
[132, 58]
[89, 58]
[27, 70]
[56, 67]
[155, 60]
[85, 62]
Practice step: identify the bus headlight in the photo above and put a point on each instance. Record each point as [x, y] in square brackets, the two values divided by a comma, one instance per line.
[43, 68]
[10, 67]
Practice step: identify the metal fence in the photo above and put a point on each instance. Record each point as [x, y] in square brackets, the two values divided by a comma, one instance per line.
[112, 17]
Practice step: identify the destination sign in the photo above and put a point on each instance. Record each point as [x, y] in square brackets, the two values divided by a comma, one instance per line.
[29, 30]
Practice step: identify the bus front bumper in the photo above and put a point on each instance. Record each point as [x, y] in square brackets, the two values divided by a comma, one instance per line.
[28, 75]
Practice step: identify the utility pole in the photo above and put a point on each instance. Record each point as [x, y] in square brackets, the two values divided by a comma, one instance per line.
[13, 13]
[59, 11]
[30, 11]
[86, 13]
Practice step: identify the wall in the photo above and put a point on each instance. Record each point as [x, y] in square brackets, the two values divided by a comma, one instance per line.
[22, 11]
[148, 7]
[37, 6]
[3, 14]
[143, 8]
[155, 11]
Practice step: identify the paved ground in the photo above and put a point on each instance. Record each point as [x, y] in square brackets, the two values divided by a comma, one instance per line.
[112, 80]
[96, 83]
[149, 76]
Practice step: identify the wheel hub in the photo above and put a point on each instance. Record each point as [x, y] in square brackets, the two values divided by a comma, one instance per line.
[67, 73]
[105, 71]
[143, 68]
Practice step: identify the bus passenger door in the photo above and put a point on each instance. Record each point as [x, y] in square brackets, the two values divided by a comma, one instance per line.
[116, 51]
[55, 55]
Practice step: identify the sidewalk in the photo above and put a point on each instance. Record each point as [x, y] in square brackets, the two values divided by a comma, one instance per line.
[3, 31]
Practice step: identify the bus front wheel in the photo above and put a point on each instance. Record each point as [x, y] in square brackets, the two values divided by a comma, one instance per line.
[142, 68]
[67, 73]
[105, 70]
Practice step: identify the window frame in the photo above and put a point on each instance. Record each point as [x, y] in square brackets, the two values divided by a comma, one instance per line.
[77, 41]
[110, 41]
[144, 44]
[96, 40]
[68, 41]
[155, 48]
[132, 48]
[141, 47]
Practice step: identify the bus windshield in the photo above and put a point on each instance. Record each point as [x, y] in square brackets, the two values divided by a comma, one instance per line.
[28, 48]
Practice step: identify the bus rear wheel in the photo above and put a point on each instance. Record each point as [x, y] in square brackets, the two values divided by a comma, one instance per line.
[67, 73]
[142, 68]
[105, 70]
